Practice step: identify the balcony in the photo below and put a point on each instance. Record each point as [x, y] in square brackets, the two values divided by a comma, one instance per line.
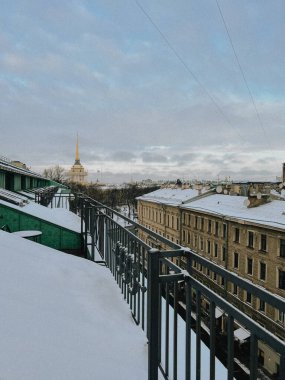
[193, 331]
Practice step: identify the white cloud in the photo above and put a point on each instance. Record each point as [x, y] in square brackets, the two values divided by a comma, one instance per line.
[101, 69]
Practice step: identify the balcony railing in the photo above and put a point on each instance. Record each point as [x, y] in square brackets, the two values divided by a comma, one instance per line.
[163, 286]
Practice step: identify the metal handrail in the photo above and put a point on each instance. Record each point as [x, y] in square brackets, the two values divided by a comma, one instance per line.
[138, 268]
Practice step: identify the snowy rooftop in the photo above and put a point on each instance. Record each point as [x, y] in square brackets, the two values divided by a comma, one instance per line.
[59, 216]
[63, 317]
[270, 214]
[170, 196]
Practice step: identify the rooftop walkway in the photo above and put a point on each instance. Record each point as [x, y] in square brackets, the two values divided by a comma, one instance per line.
[62, 317]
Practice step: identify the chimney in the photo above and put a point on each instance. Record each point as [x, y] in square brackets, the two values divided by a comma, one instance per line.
[257, 200]
[257, 196]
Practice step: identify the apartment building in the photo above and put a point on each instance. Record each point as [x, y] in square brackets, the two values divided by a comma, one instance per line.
[160, 211]
[246, 235]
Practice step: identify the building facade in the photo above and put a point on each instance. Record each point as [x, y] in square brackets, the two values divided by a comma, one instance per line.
[245, 235]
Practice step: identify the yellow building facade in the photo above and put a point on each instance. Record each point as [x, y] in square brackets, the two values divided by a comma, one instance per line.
[249, 241]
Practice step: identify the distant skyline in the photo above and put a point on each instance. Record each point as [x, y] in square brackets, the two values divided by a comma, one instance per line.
[153, 87]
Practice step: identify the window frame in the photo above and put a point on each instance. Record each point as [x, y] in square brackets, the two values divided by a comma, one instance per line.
[249, 259]
[281, 281]
[236, 260]
[250, 239]
[262, 236]
[282, 248]
[261, 271]
[237, 235]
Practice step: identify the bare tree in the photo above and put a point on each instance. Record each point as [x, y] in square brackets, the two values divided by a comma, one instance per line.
[55, 173]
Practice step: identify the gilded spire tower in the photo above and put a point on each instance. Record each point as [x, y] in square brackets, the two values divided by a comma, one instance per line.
[77, 172]
[77, 159]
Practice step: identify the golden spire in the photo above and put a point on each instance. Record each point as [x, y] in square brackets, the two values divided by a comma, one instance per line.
[77, 159]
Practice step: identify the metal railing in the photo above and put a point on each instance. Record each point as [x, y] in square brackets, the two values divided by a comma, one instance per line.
[161, 294]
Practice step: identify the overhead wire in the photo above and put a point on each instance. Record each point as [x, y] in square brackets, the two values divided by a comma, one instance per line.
[187, 68]
[243, 76]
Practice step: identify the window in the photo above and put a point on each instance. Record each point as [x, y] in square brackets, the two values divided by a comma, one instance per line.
[225, 230]
[250, 239]
[263, 242]
[235, 289]
[235, 260]
[224, 253]
[237, 235]
[177, 224]
[183, 235]
[260, 356]
[209, 246]
[261, 305]
[189, 240]
[282, 247]
[281, 279]
[217, 228]
[249, 265]
[209, 226]
[281, 316]
[202, 224]
[195, 240]
[167, 221]
[262, 271]
[196, 222]
[216, 250]
[248, 297]
[207, 307]
[201, 244]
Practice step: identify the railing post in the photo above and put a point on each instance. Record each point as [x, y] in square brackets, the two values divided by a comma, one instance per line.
[282, 367]
[152, 317]
[92, 232]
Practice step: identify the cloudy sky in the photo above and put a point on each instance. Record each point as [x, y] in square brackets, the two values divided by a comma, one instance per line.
[155, 88]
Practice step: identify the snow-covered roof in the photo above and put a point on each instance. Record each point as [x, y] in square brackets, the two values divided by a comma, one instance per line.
[269, 214]
[63, 318]
[276, 194]
[58, 216]
[7, 165]
[171, 196]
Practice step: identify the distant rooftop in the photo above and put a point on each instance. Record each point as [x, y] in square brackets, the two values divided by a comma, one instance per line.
[171, 196]
[270, 214]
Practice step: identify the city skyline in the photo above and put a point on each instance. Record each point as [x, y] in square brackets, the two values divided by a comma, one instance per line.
[154, 89]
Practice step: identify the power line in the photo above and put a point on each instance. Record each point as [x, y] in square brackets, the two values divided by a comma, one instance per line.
[187, 68]
[243, 75]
